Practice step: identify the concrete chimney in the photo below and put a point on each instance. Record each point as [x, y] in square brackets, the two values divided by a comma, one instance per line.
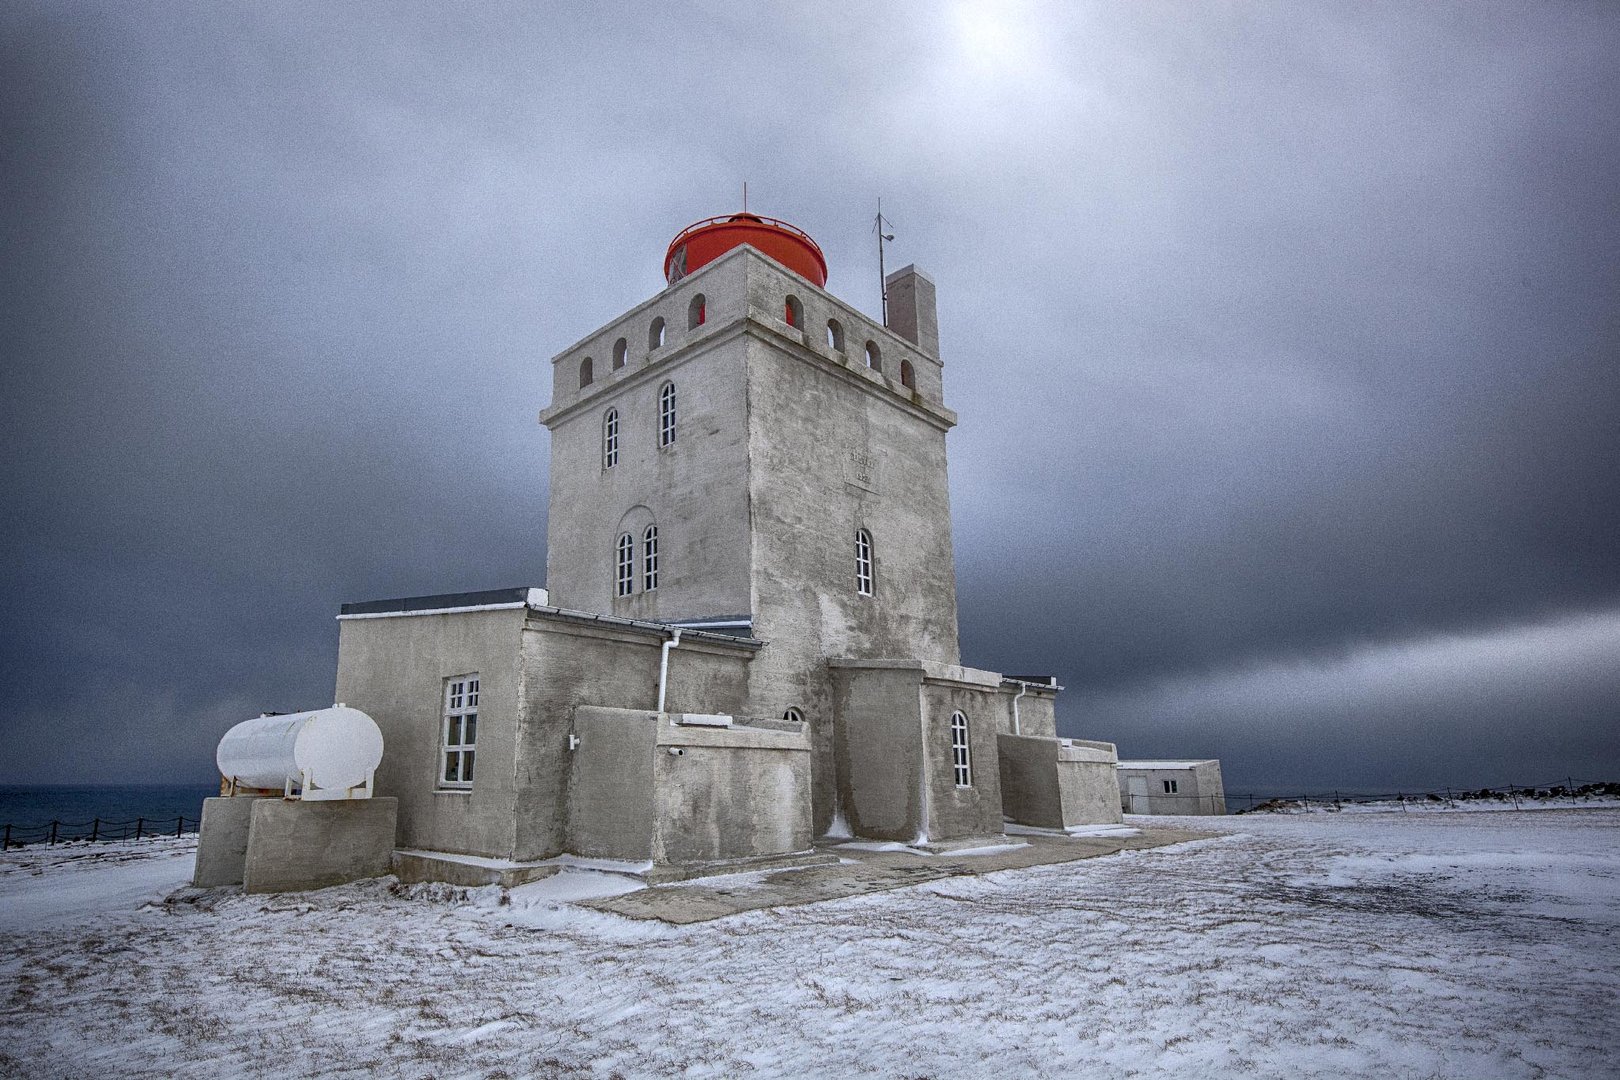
[912, 313]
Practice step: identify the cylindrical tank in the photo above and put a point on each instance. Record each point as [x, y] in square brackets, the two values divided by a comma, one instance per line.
[337, 748]
[700, 244]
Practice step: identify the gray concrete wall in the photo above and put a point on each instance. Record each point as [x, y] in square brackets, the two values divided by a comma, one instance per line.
[730, 793]
[1029, 781]
[1037, 712]
[976, 810]
[726, 793]
[568, 665]
[394, 669]
[878, 714]
[611, 804]
[222, 840]
[295, 845]
[1088, 788]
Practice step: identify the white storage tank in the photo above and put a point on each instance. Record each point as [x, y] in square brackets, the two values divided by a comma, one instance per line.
[327, 754]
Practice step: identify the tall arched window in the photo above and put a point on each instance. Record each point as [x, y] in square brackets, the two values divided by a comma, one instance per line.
[908, 375]
[874, 358]
[585, 373]
[666, 415]
[863, 562]
[961, 756]
[793, 311]
[627, 564]
[835, 335]
[621, 349]
[655, 334]
[695, 312]
[649, 558]
[610, 439]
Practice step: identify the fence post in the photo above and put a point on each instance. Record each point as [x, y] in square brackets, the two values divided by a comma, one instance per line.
[53, 831]
[95, 829]
[1513, 793]
[1306, 799]
[179, 821]
[8, 838]
[139, 822]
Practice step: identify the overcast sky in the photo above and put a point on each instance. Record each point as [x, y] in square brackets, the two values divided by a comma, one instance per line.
[1282, 336]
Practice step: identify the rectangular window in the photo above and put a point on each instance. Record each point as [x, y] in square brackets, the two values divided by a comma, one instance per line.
[666, 415]
[1170, 787]
[460, 732]
[960, 755]
[610, 439]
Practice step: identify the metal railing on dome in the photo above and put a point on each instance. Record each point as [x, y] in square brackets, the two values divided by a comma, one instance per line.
[95, 830]
[745, 217]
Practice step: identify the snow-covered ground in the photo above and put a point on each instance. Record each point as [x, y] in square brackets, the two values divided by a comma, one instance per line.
[1395, 945]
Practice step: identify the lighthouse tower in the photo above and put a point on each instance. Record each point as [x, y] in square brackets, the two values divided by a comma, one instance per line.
[747, 451]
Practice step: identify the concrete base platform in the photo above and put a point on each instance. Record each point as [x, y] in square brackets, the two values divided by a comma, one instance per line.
[473, 871]
[863, 871]
[658, 875]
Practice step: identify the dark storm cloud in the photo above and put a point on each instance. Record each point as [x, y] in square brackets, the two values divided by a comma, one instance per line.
[1280, 340]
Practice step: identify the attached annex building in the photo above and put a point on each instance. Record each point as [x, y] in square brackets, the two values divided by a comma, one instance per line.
[748, 634]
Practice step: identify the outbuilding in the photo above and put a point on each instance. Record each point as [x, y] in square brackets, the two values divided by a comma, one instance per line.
[1171, 787]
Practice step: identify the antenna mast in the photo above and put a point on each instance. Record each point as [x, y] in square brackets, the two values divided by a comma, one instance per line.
[878, 225]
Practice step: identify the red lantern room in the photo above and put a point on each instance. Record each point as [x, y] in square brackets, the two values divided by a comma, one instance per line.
[700, 244]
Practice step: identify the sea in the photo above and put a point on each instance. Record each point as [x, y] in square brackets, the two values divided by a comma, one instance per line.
[33, 806]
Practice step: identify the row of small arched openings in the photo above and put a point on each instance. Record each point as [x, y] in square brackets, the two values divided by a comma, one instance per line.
[792, 314]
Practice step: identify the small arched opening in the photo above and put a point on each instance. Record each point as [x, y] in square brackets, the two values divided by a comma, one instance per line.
[835, 335]
[695, 312]
[621, 349]
[908, 375]
[793, 312]
[874, 358]
[655, 334]
[585, 373]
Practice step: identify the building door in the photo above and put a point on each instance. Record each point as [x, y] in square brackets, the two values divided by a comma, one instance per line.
[1137, 786]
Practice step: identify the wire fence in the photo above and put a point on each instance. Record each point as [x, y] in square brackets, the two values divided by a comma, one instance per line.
[1568, 790]
[94, 830]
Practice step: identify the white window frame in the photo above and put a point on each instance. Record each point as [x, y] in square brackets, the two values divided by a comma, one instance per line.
[1171, 787]
[458, 733]
[961, 752]
[666, 415]
[610, 439]
[863, 562]
[649, 559]
[626, 551]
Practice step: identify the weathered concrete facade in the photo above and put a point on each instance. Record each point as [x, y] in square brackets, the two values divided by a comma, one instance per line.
[1171, 787]
[272, 844]
[749, 516]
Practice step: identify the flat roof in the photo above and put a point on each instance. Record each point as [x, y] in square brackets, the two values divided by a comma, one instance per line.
[1185, 763]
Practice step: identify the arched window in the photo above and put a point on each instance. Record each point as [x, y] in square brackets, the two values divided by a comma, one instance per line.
[585, 373]
[908, 375]
[794, 714]
[610, 439]
[794, 312]
[695, 312]
[835, 335]
[621, 349]
[874, 358]
[627, 564]
[666, 415]
[655, 334]
[961, 756]
[649, 558]
[863, 562]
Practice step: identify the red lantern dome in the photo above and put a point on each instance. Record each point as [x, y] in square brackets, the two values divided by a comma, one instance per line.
[700, 244]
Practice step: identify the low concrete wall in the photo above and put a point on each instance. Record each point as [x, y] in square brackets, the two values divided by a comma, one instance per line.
[294, 845]
[645, 787]
[222, 841]
[1057, 783]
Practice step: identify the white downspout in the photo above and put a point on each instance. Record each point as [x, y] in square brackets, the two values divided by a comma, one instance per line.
[663, 664]
[1023, 688]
